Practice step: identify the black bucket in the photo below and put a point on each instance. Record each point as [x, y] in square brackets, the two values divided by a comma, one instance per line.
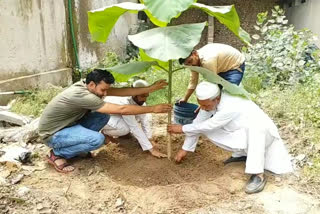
[184, 113]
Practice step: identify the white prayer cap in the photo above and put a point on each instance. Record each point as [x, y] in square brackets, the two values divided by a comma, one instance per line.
[140, 83]
[207, 90]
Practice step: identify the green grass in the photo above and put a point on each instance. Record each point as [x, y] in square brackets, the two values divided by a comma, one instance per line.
[34, 103]
[313, 171]
[297, 109]
[179, 86]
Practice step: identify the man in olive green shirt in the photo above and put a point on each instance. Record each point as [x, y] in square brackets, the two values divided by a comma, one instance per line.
[71, 122]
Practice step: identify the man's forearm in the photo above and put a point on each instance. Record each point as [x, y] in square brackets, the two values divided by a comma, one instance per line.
[188, 94]
[110, 108]
[160, 84]
[128, 91]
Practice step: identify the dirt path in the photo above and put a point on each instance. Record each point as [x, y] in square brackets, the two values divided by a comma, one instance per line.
[123, 179]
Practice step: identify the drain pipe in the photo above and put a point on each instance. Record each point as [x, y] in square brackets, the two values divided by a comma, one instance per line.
[74, 42]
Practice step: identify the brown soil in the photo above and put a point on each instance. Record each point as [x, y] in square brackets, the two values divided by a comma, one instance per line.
[123, 179]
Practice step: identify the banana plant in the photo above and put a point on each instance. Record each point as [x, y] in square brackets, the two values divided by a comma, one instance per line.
[160, 46]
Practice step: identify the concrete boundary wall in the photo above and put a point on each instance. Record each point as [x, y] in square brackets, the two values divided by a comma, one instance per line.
[35, 40]
[305, 15]
[33, 37]
[90, 53]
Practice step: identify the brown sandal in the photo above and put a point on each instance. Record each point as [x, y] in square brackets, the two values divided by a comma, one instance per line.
[52, 160]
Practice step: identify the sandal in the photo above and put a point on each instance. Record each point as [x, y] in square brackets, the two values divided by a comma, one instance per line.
[52, 160]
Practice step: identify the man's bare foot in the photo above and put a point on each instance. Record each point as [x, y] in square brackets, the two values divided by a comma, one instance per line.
[157, 154]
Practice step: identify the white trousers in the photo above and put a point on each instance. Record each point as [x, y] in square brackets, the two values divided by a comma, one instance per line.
[116, 130]
[263, 151]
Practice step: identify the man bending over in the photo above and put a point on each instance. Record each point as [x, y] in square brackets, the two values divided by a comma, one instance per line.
[238, 125]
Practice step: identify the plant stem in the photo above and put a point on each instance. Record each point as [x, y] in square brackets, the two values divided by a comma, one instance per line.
[178, 69]
[169, 101]
[163, 68]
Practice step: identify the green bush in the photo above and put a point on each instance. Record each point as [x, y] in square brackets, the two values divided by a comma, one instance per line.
[111, 59]
[282, 55]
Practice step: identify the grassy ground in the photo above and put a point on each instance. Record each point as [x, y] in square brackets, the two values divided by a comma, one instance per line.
[296, 111]
[34, 103]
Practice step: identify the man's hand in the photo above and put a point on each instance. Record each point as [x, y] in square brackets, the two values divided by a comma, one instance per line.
[180, 155]
[153, 143]
[175, 129]
[162, 108]
[160, 84]
[157, 154]
[182, 100]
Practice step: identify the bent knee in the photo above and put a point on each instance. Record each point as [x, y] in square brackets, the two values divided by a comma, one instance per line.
[124, 131]
[98, 140]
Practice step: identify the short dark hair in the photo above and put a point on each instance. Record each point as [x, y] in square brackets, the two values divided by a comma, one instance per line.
[182, 60]
[98, 75]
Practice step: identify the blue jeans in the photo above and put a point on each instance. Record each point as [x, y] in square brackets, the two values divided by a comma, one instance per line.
[80, 138]
[233, 76]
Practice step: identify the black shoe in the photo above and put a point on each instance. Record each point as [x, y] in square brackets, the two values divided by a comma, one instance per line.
[235, 159]
[255, 184]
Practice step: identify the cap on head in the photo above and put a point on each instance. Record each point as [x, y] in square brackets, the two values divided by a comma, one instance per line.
[207, 90]
[140, 83]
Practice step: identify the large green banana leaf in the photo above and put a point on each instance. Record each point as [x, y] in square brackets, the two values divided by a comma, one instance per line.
[101, 21]
[169, 43]
[145, 57]
[124, 72]
[228, 16]
[161, 12]
[214, 78]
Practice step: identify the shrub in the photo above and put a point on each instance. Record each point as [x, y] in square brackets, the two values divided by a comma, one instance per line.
[282, 55]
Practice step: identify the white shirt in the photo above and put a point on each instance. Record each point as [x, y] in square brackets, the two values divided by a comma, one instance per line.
[229, 124]
[142, 133]
[237, 125]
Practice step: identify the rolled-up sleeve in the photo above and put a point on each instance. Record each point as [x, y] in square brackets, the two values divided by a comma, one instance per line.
[191, 140]
[194, 78]
[145, 124]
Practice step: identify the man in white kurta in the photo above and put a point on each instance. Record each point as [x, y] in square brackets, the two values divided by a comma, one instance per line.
[138, 125]
[238, 125]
